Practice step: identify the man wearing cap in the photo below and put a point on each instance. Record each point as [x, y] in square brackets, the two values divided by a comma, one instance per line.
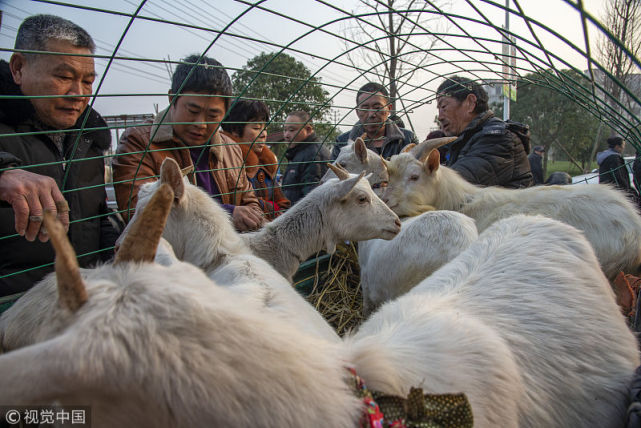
[536, 164]
[486, 152]
[612, 169]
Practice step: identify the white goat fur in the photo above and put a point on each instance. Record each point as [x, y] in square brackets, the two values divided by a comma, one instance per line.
[334, 212]
[425, 243]
[201, 233]
[524, 322]
[356, 157]
[159, 346]
[609, 221]
[162, 346]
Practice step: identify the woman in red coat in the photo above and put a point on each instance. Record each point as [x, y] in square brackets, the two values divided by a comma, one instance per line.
[245, 123]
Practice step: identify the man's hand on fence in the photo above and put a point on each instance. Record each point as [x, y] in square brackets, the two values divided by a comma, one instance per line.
[247, 218]
[30, 194]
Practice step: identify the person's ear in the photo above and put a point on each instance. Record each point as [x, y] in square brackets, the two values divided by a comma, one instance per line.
[17, 63]
[470, 103]
[170, 96]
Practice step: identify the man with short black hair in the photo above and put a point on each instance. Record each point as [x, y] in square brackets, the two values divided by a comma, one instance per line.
[39, 155]
[486, 151]
[198, 100]
[380, 133]
[612, 169]
[306, 157]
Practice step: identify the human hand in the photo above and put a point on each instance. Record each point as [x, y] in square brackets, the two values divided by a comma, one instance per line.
[30, 194]
[246, 218]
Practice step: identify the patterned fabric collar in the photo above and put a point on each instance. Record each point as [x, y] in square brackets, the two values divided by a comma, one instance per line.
[418, 410]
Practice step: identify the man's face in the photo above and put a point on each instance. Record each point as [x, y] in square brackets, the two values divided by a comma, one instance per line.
[197, 117]
[455, 115]
[373, 111]
[56, 75]
[295, 131]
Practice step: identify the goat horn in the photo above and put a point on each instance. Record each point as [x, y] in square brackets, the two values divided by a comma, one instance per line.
[141, 242]
[186, 170]
[385, 161]
[340, 172]
[72, 293]
[427, 146]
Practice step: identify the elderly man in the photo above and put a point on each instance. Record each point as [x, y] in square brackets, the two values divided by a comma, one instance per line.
[380, 134]
[486, 151]
[198, 100]
[43, 139]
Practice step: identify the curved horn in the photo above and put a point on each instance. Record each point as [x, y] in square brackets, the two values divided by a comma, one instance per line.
[341, 173]
[424, 149]
[71, 289]
[141, 242]
[385, 162]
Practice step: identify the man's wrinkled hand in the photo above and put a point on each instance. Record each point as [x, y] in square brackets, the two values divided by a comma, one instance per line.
[246, 218]
[30, 195]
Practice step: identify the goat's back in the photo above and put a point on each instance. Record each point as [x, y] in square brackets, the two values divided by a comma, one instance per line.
[607, 218]
[562, 341]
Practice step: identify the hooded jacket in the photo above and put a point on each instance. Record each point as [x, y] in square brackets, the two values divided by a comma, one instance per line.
[89, 231]
[487, 153]
[306, 165]
[395, 139]
[612, 170]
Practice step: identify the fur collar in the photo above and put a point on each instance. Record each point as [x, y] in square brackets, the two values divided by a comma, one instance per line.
[267, 160]
[16, 111]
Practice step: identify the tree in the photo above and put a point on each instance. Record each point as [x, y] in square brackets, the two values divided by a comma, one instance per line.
[623, 20]
[285, 85]
[396, 43]
[555, 119]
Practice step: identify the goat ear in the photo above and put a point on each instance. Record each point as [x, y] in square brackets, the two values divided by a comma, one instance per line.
[71, 289]
[171, 174]
[432, 162]
[45, 372]
[141, 242]
[360, 150]
[407, 148]
[346, 186]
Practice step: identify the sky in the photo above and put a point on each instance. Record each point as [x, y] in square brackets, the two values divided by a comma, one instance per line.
[315, 32]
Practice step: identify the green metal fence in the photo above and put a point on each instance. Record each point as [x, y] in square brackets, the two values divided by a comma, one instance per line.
[342, 45]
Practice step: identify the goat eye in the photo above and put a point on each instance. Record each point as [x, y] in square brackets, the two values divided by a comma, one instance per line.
[341, 164]
[414, 177]
[362, 200]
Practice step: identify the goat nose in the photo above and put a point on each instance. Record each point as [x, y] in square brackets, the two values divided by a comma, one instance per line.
[397, 222]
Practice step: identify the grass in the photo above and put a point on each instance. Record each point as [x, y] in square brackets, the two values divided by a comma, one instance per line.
[568, 167]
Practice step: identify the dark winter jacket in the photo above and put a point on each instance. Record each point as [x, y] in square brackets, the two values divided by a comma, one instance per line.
[636, 172]
[536, 165]
[487, 153]
[17, 117]
[306, 165]
[612, 170]
[395, 139]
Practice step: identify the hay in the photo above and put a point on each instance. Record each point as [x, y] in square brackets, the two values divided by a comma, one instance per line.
[337, 291]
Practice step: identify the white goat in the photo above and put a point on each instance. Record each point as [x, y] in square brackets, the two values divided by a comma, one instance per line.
[425, 243]
[609, 221]
[154, 346]
[339, 210]
[201, 233]
[524, 322]
[355, 158]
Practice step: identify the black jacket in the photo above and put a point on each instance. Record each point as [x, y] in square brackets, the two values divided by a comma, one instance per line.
[536, 165]
[90, 230]
[306, 165]
[395, 139]
[487, 153]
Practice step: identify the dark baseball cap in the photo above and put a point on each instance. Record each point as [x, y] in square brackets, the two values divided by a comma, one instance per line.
[539, 149]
